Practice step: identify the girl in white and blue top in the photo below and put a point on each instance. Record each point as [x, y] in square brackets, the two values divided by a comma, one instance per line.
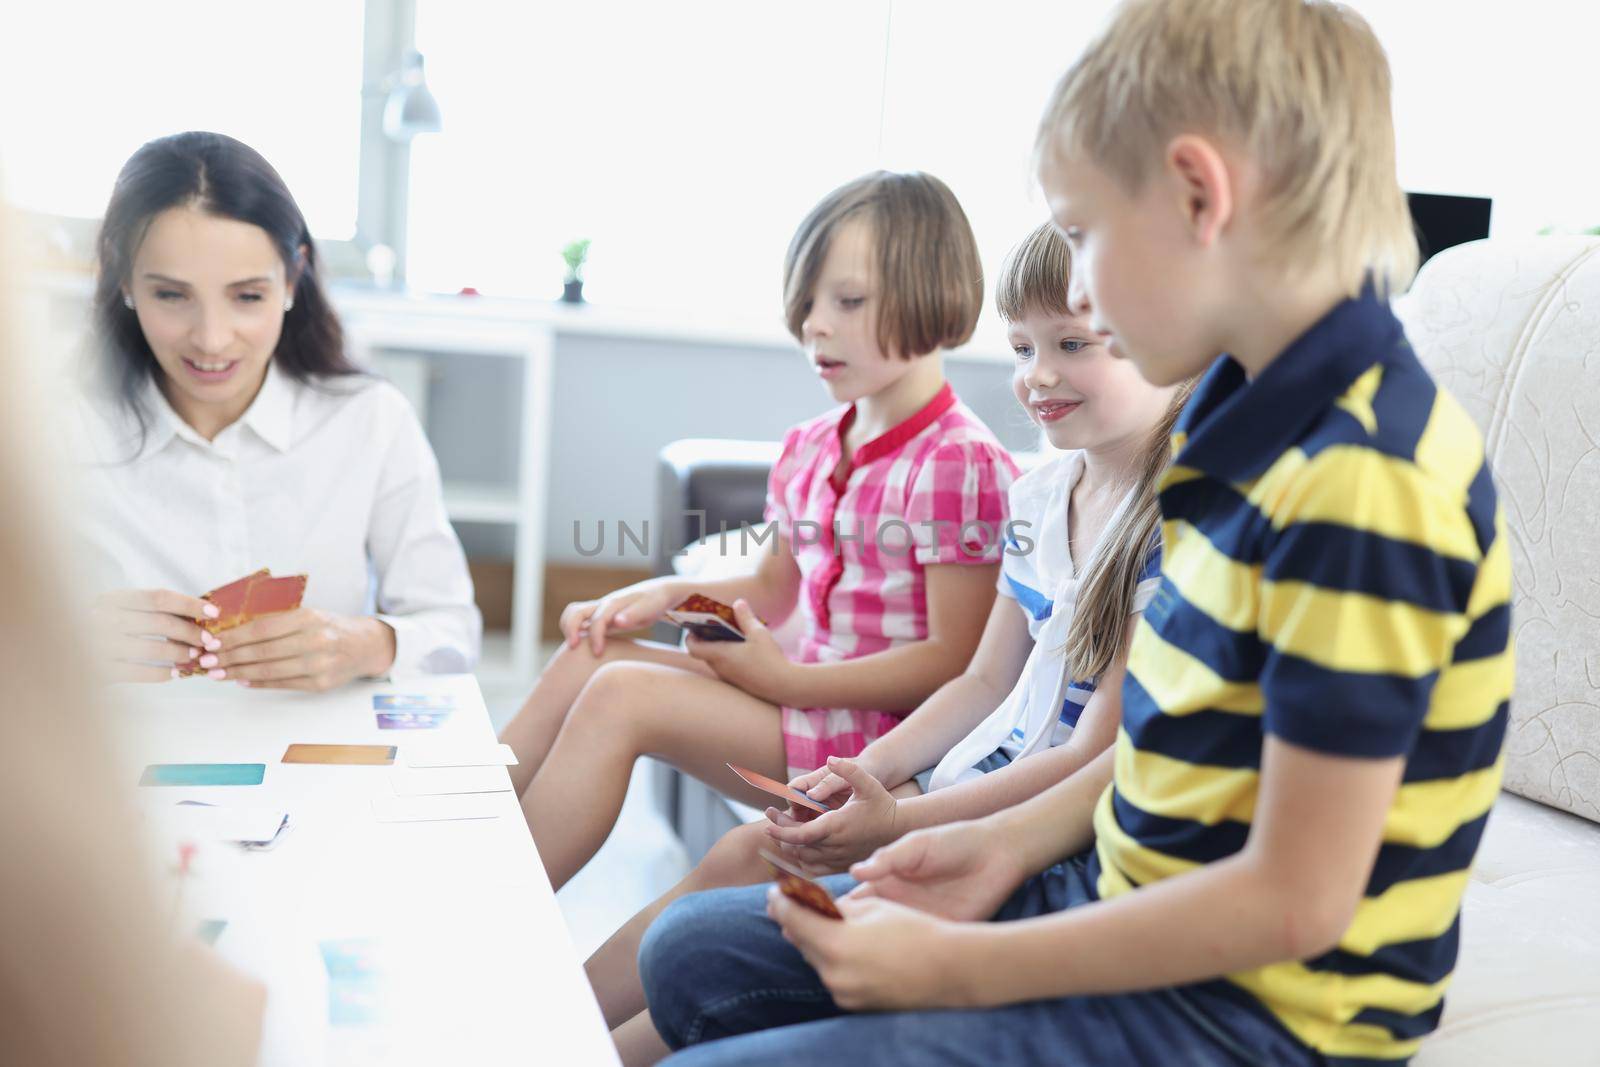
[1044, 706]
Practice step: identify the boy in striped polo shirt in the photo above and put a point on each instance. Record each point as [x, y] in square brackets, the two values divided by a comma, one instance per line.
[1268, 866]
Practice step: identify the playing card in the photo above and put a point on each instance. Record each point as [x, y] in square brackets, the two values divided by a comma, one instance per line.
[781, 790]
[411, 720]
[409, 782]
[268, 596]
[355, 993]
[707, 619]
[439, 808]
[245, 599]
[249, 826]
[413, 702]
[364, 755]
[196, 774]
[436, 754]
[794, 884]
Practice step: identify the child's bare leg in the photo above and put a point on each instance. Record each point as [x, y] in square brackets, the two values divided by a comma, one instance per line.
[613, 970]
[628, 710]
[638, 1043]
[531, 733]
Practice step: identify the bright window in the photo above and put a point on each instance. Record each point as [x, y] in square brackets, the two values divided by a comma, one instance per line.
[86, 83]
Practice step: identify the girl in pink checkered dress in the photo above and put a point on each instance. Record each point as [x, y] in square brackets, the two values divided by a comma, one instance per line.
[890, 519]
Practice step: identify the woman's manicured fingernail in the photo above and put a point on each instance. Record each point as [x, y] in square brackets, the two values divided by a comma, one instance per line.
[244, 683]
[218, 674]
[193, 652]
[208, 660]
[175, 672]
[212, 611]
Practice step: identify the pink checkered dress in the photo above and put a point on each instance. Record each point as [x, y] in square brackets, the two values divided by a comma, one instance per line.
[932, 490]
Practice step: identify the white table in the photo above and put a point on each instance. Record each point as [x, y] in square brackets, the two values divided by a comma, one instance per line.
[477, 965]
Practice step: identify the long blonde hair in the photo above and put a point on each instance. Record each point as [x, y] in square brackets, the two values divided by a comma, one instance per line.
[1034, 277]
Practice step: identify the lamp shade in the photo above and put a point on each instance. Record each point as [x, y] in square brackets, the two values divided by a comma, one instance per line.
[411, 108]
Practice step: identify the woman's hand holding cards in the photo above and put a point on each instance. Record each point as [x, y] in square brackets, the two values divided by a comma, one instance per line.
[833, 841]
[305, 649]
[142, 634]
[756, 665]
[884, 956]
[961, 871]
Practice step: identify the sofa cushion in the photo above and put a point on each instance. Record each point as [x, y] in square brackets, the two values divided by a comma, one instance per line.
[1512, 329]
[1527, 982]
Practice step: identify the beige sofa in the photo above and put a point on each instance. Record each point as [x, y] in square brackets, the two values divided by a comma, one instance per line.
[1512, 328]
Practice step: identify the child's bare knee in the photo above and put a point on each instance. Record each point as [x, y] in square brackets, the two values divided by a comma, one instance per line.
[736, 857]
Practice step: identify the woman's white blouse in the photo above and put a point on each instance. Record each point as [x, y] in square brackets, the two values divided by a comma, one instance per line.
[333, 479]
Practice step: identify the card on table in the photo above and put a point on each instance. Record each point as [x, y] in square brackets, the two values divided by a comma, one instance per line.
[411, 720]
[196, 774]
[707, 619]
[798, 887]
[409, 782]
[451, 808]
[456, 754]
[247, 826]
[359, 755]
[355, 993]
[781, 790]
[413, 702]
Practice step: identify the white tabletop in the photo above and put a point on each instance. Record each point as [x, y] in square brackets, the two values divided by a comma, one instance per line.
[476, 965]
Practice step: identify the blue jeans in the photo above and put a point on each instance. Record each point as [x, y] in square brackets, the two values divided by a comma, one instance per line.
[724, 985]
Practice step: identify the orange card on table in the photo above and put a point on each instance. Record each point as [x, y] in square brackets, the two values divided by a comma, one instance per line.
[360, 755]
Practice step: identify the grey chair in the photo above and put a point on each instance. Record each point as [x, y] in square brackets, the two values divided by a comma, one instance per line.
[702, 486]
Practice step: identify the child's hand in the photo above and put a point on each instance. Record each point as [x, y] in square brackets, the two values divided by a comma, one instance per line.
[756, 665]
[833, 841]
[823, 785]
[630, 608]
[962, 871]
[882, 957]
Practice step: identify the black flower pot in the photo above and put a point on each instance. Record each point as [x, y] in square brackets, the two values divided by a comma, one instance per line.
[572, 292]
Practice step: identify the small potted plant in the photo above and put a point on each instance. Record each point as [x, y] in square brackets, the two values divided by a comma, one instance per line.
[575, 253]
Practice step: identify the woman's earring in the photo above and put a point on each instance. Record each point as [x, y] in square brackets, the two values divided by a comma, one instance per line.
[127, 301]
[288, 304]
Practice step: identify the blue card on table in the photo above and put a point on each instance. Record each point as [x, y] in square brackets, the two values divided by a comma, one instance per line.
[411, 720]
[204, 774]
[413, 702]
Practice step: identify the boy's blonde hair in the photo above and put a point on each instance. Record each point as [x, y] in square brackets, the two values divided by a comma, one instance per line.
[929, 272]
[1302, 86]
[1034, 278]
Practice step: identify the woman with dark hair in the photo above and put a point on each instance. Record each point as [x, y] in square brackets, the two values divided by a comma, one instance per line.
[228, 431]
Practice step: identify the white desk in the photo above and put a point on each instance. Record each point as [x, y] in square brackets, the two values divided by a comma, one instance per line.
[477, 966]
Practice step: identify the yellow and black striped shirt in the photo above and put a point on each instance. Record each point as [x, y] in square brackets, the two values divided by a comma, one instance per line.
[1335, 573]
